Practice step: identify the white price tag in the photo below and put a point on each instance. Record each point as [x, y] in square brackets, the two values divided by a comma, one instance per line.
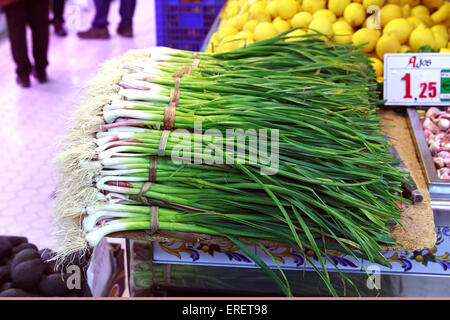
[415, 79]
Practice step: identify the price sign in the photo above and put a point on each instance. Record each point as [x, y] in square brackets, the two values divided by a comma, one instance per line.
[415, 79]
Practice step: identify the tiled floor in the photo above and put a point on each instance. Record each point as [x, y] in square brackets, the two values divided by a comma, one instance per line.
[33, 121]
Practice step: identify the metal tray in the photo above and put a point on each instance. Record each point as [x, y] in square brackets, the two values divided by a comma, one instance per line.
[439, 189]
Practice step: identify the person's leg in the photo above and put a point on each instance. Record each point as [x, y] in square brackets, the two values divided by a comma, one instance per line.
[58, 17]
[58, 11]
[37, 13]
[127, 8]
[16, 20]
[101, 13]
[99, 29]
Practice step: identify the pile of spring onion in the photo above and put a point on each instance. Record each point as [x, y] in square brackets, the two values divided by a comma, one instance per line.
[323, 177]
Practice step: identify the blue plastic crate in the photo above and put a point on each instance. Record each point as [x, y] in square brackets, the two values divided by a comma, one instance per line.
[184, 24]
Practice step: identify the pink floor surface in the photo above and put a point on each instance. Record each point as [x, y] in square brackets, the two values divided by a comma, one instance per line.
[33, 121]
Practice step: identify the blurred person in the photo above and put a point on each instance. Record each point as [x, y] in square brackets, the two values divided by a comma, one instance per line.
[19, 14]
[99, 28]
[58, 17]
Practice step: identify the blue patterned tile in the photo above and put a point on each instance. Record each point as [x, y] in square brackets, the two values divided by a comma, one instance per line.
[288, 258]
[185, 253]
[432, 261]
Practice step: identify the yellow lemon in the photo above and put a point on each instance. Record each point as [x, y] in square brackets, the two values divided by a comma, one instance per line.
[244, 38]
[226, 31]
[281, 25]
[261, 16]
[368, 3]
[321, 25]
[433, 4]
[427, 21]
[257, 7]
[241, 20]
[249, 42]
[287, 8]
[215, 37]
[232, 9]
[420, 11]
[406, 9]
[444, 50]
[441, 15]
[405, 48]
[387, 44]
[422, 36]
[390, 12]
[400, 28]
[250, 25]
[440, 40]
[412, 3]
[244, 7]
[244, 35]
[354, 14]
[243, 3]
[213, 44]
[338, 6]
[264, 30]
[377, 66]
[301, 19]
[277, 19]
[326, 14]
[228, 38]
[368, 37]
[227, 43]
[227, 46]
[272, 8]
[295, 33]
[313, 5]
[343, 31]
[231, 22]
[257, 11]
[442, 30]
[414, 21]
[222, 23]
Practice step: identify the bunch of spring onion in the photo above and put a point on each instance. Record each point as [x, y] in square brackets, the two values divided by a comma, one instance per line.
[335, 185]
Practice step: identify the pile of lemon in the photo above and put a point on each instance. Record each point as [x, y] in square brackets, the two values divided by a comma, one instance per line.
[384, 26]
